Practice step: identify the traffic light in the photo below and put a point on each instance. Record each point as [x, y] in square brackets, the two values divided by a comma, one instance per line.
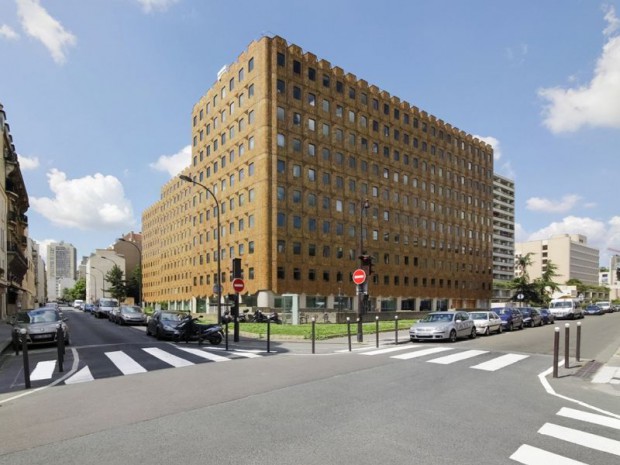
[234, 304]
[366, 261]
[236, 268]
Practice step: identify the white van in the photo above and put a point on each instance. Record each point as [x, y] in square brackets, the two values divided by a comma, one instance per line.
[105, 306]
[77, 303]
[605, 305]
[566, 308]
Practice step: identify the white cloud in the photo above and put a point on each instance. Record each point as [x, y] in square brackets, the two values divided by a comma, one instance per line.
[38, 23]
[8, 33]
[152, 5]
[594, 104]
[27, 163]
[516, 55]
[493, 142]
[553, 206]
[613, 23]
[174, 164]
[94, 202]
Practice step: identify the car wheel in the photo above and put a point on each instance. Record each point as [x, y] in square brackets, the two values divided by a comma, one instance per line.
[148, 332]
[510, 326]
[158, 334]
[474, 333]
[487, 331]
[500, 330]
[522, 326]
[452, 337]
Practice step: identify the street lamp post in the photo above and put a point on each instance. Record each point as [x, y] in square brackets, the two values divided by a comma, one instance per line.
[102, 282]
[122, 239]
[219, 249]
[360, 291]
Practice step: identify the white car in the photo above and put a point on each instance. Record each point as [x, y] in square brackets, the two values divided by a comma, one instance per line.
[486, 322]
[443, 325]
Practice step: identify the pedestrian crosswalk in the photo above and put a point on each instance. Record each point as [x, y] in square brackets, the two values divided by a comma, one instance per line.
[492, 362]
[133, 360]
[588, 443]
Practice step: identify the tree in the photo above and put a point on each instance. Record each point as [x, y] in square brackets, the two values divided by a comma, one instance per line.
[521, 286]
[118, 287]
[545, 283]
[134, 284]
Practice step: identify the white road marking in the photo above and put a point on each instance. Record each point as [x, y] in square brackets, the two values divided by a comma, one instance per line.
[167, 357]
[611, 446]
[241, 353]
[82, 376]
[421, 353]
[126, 364]
[500, 362]
[589, 417]
[389, 350]
[205, 355]
[43, 370]
[448, 359]
[606, 374]
[529, 455]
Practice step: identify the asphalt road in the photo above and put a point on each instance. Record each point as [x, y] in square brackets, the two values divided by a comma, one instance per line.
[336, 407]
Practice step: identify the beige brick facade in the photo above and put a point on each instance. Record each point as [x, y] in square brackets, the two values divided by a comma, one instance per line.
[292, 147]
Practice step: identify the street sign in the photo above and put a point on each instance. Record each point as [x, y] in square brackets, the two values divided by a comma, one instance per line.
[359, 276]
[238, 284]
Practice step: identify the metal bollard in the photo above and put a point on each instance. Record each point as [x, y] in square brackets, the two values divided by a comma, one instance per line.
[578, 342]
[24, 338]
[268, 335]
[60, 344]
[396, 329]
[313, 333]
[349, 332]
[377, 329]
[566, 344]
[226, 334]
[556, 350]
[16, 341]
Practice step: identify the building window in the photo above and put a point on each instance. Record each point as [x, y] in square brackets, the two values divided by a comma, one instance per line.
[281, 86]
[281, 59]
[296, 67]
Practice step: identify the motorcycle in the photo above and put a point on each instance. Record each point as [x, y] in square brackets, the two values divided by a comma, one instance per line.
[260, 317]
[190, 330]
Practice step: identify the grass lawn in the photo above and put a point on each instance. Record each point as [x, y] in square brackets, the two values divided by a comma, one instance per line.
[322, 330]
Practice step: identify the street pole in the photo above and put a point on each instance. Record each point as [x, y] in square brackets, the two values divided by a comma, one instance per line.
[219, 248]
[102, 282]
[360, 287]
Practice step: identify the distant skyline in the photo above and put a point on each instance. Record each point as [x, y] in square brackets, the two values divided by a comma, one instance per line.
[99, 94]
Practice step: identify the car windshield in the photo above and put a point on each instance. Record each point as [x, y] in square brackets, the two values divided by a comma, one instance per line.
[434, 317]
[38, 316]
[503, 311]
[108, 303]
[171, 316]
[478, 316]
[131, 310]
[525, 312]
[561, 304]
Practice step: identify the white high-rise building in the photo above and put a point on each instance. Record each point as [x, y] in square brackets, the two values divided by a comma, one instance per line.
[61, 266]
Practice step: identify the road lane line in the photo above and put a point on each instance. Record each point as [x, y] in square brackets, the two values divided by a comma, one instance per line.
[167, 357]
[592, 441]
[241, 353]
[589, 417]
[420, 353]
[448, 359]
[205, 355]
[126, 364]
[500, 362]
[389, 350]
[605, 375]
[529, 455]
[82, 376]
[43, 370]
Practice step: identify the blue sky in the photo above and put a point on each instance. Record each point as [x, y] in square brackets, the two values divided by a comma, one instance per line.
[99, 93]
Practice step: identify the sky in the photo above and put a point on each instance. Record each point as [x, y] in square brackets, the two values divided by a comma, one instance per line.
[99, 94]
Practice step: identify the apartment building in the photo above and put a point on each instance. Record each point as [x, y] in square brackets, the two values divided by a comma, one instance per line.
[503, 234]
[61, 268]
[15, 292]
[570, 253]
[310, 166]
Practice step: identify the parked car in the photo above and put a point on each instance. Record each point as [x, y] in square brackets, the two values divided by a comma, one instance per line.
[41, 325]
[443, 325]
[77, 303]
[130, 315]
[531, 316]
[511, 318]
[593, 310]
[547, 316]
[88, 308]
[162, 324]
[486, 322]
[104, 307]
[605, 306]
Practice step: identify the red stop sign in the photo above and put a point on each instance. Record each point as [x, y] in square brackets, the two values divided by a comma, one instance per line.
[359, 276]
[238, 284]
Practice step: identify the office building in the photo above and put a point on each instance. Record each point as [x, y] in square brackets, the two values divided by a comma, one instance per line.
[311, 166]
[61, 268]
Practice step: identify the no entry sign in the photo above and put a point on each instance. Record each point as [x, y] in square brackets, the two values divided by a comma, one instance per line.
[238, 284]
[359, 276]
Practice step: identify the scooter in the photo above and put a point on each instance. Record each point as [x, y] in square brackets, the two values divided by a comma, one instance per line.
[190, 330]
[260, 317]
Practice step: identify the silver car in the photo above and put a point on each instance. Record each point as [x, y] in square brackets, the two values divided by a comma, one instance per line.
[130, 315]
[486, 322]
[443, 325]
[41, 325]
